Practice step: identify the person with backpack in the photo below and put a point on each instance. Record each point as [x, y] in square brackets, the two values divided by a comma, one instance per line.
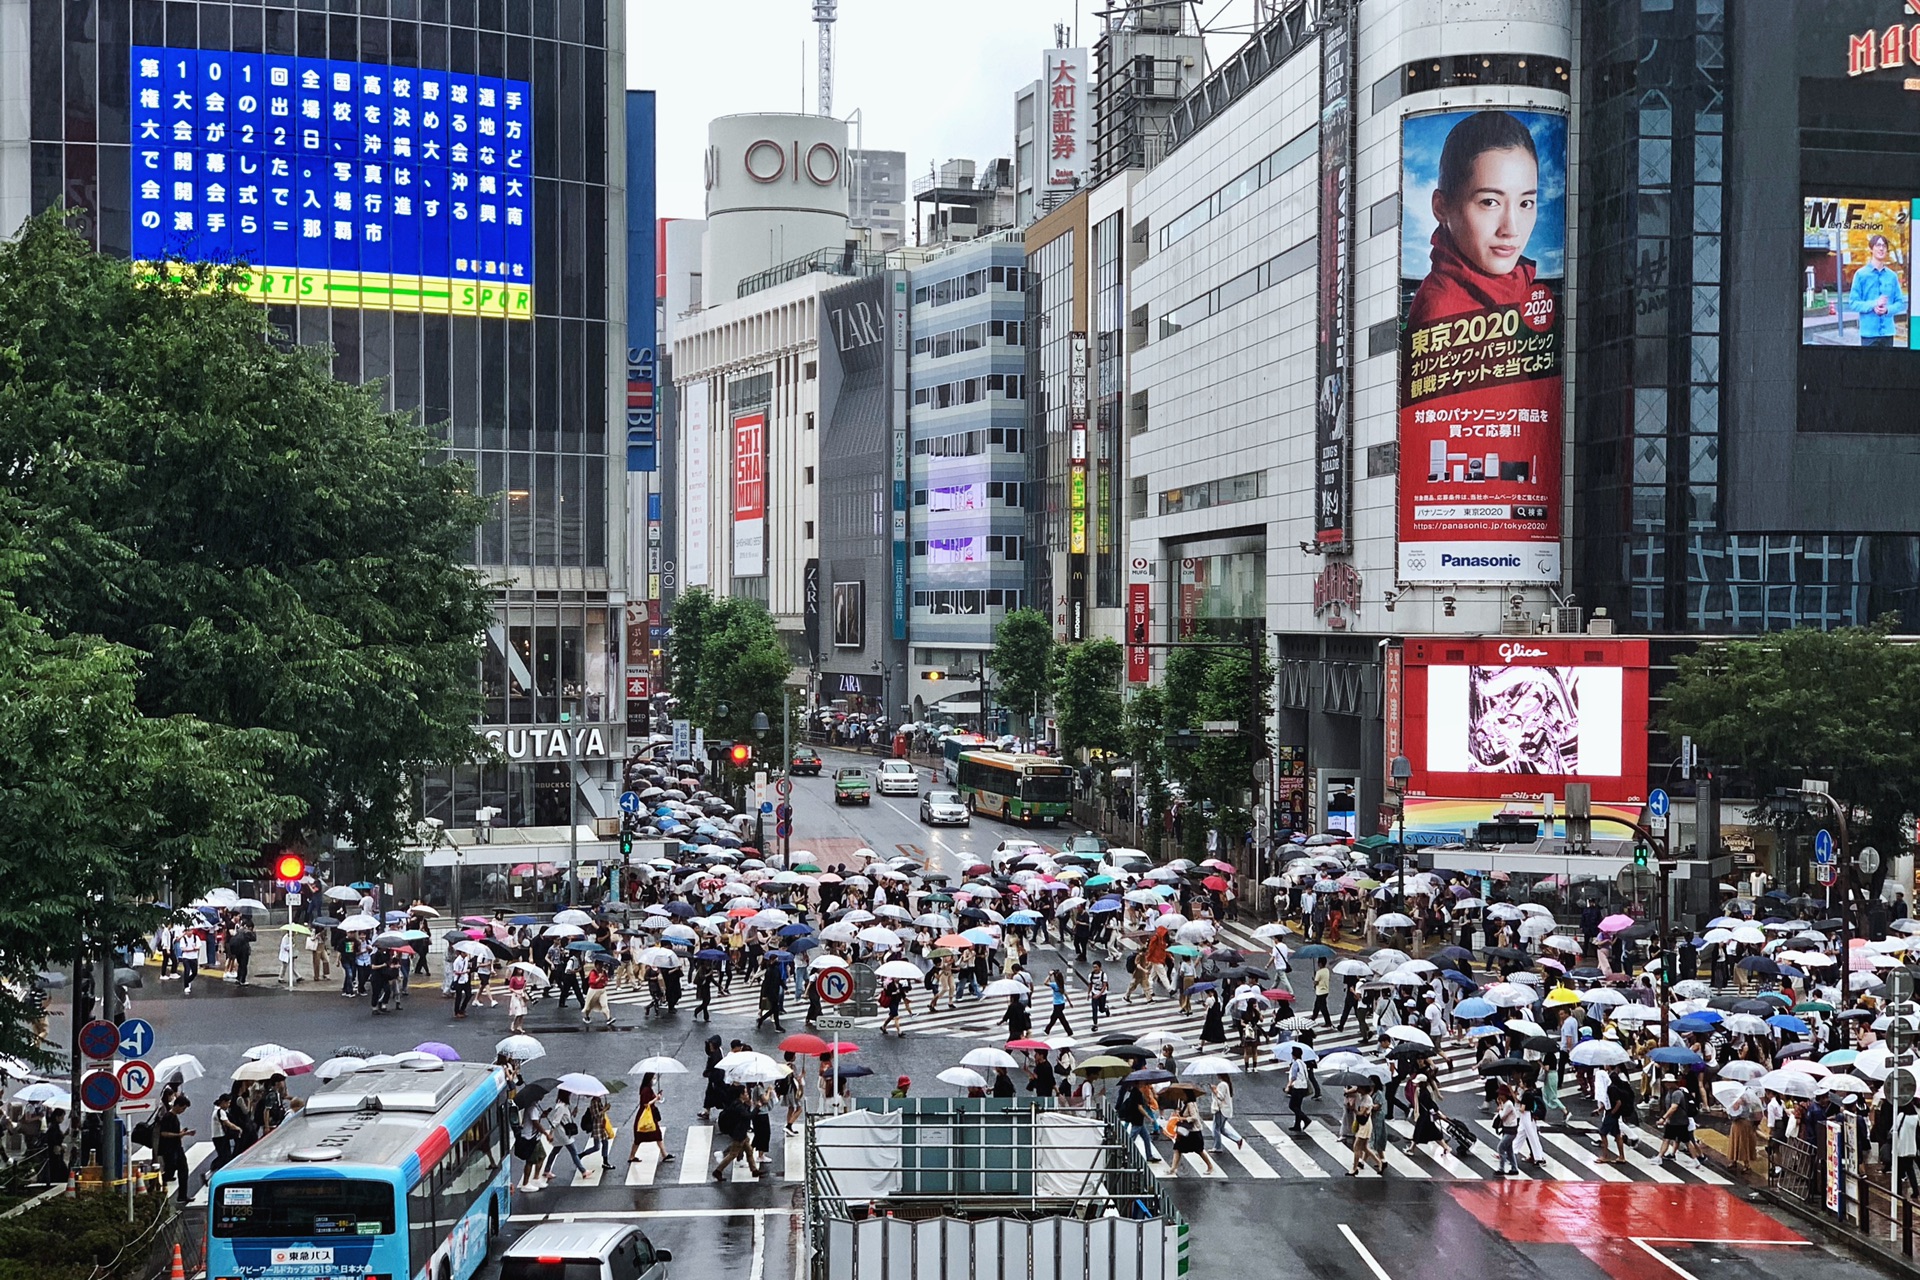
[1674, 1132]
[1137, 1116]
[1097, 989]
[736, 1126]
[1622, 1110]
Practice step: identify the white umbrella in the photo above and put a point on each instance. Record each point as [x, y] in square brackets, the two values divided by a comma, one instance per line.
[962, 1078]
[1745, 1024]
[1407, 1033]
[264, 1052]
[1503, 911]
[1509, 995]
[339, 893]
[1405, 976]
[658, 958]
[354, 924]
[1536, 927]
[1526, 1027]
[582, 1084]
[1386, 960]
[580, 918]
[563, 931]
[1353, 969]
[1635, 1013]
[1725, 1091]
[899, 971]
[1602, 996]
[1742, 1071]
[1002, 987]
[473, 948]
[1845, 1084]
[1788, 1084]
[1160, 1039]
[763, 1070]
[1807, 1067]
[51, 1095]
[1194, 931]
[663, 1066]
[875, 936]
[1599, 1053]
[334, 1068]
[839, 933]
[521, 1048]
[1210, 1064]
[988, 1056]
[1393, 920]
[1271, 931]
[1749, 935]
[257, 1069]
[184, 1065]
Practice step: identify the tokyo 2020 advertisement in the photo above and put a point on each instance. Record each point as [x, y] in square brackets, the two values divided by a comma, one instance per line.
[1483, 235]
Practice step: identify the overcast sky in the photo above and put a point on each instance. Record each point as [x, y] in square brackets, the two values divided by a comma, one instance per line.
[934, 80]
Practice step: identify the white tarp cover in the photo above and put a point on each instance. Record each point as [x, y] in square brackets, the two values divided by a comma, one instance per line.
[860, 1151]
[1068, 1156]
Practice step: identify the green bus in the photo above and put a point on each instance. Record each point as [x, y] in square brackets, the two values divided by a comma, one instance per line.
[1017, 788]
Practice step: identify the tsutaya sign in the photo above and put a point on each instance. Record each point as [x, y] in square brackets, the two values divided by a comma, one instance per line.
[556, 741]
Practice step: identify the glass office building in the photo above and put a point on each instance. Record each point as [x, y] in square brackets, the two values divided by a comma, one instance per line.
[449, 175]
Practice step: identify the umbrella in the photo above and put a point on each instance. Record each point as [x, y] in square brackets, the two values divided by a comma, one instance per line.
[1509, 995]
[1211, 1064]
[340, 893]
[51, 1095]
[1615, 923]
[334, 1068]
[1406, 1033]
[1104, 1066]
[181, 1066]
[1353, 969]
[852, 1070]
[751, 1068]
[1501, 1066]
[257, 1069]
[1474, 1007]
[580, 1084]
[899, 970]
[1674, 1056]
[1151, 1075]
[1788, 1084]
[1741, 1070]
[356, 923]
[1599, 1053]
[988, 1056]
[521, 1048]
[963, 1078]
[658, 1066]
[444, 1052]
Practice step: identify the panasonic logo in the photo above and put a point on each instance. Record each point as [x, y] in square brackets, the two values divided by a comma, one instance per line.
[1478, 562]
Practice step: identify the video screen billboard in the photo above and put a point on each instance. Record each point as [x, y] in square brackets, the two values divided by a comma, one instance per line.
[1856, 259]
[750, 495]
[1482, 265]
[1522, 717]
[339, 183]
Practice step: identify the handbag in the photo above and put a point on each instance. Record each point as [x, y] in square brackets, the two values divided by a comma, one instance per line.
[646, 1121]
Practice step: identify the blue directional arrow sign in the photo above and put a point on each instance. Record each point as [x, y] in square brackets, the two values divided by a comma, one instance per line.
[136, 1038]
[1822, 846]
[629, 802]
[1658, 804]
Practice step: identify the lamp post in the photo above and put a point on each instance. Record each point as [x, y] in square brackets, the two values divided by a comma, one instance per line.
[1402, 774]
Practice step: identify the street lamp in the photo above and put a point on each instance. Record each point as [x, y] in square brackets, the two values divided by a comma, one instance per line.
[1402, 769]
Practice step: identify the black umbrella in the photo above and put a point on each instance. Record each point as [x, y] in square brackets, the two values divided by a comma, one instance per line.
[1635, 932]
[1152, 1075]
[1506, 953]
[1240, 971]
[1761, 1008]
[1446, 955]
[1117, 1037]
[533, 1090]
[325, 922]
[1760, 964]
[1410, 1052]
[353, 1051]
[1133, 1051]
[499, 948]
[1501, 1066]
[1541, 1044]
[852, 1071]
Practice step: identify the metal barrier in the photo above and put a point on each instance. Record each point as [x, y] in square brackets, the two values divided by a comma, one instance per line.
[1828, 1178]
[925, 1188]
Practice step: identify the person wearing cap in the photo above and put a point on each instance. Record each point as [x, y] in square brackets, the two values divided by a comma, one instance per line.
[1426, 1116]
[901, 1086]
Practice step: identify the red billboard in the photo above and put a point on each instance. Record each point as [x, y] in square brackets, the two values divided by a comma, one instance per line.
[1504, 717]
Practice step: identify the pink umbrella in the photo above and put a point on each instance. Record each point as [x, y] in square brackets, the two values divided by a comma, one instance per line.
[1614, 924]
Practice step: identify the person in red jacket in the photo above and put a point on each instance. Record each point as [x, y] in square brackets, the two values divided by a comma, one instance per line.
[1486, 202]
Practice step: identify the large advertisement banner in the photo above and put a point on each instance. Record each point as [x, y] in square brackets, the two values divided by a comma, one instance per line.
[1333, 356]
[750, 495]
[1483, 234]
[699, 486]
[1856, 257]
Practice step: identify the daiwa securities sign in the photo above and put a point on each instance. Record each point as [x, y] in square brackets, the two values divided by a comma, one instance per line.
[1482, 262]
[1067, 101]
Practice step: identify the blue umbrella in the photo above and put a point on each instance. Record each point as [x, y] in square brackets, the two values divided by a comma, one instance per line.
[978, 937]
[1708, 1015]
[1474, 1008]
[1319, 951]
[800, 946]
[1480, 1032]
[583, 945]
[1691, 1025]
[663, 812]
[1024, 917]
[361, 885]
[795, 930]
[684, 910]
[1459, 979]
[1677, 1057]
[1105, 905]
[1787, 1022]
[710, 953]
[524, 920]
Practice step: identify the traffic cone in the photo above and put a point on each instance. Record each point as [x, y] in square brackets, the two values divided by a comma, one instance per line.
[179, 1269]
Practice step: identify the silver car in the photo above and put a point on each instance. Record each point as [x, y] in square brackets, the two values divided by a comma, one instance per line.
[944, 808]
[584, 1251]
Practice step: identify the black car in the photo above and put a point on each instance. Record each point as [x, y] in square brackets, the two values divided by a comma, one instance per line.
[804, 761]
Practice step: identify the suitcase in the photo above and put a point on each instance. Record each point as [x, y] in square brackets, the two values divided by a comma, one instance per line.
[1459, 1137]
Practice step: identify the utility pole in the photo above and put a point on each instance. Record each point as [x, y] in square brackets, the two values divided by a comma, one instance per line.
[1580, 818]
[1843, 858]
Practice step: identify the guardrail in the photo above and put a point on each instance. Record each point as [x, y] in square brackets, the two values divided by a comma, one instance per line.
[1827, 1178]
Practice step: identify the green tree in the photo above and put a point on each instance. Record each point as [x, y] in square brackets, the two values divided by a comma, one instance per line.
[1217, 770]
[275, 551]
[1839, 705]
[103, 805]
[1086, 697]
[1145, 729]
[726, 652]
[1023, 659]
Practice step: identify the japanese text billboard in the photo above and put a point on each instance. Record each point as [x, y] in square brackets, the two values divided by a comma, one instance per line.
[750, 495]
[1065, 101]
[1482, 265]
[339, 184]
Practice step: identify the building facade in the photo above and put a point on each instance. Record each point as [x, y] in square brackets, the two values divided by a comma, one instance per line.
[491, 303]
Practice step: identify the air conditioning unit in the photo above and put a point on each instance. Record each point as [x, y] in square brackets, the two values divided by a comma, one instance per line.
[1600, 624]
[1566, 621]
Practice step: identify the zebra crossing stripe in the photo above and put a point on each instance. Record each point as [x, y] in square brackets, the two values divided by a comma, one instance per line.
[1303, 1164]
[1592, 1169]
[591, 1176]
[641, 1172]
[1249, 1159]
[1330, 1143]
[1454, 1165]
[698, 1156]
[794, 1155]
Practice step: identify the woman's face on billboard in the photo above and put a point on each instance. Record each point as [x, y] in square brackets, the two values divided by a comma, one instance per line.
[1492, 218]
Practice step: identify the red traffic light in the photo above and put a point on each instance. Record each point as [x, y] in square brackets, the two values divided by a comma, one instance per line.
[289, 866]
[740, 754]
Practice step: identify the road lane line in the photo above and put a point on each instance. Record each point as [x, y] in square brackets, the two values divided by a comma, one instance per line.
[1373, 1265]
[1663, 1259]
[760, 1248]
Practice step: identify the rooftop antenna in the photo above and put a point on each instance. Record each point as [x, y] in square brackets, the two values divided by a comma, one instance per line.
[824, 12]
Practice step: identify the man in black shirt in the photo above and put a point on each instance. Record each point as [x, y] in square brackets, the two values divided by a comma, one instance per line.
[240, 947]
[169, 1143]
[736, 1125]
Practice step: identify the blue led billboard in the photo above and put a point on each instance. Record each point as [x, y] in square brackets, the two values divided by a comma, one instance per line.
[338, 183]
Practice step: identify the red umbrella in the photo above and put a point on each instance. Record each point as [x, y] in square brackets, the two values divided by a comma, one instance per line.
[741, 913]
[1216, 883]
[1040, 1045]
[1277, 994]
[801, 1042]
[842, 1046]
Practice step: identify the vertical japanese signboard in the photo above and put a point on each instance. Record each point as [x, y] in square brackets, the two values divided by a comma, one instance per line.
[1482, 261]
[1139, 620]
[1064, 122]
[750, 495]
[642, 288]
[1333, 348]
[695, 512]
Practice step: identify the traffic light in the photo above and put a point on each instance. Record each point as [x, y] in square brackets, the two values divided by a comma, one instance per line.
[289, 867]
[1640, 854]
[936, 675]
[626, 843]
[740, 755]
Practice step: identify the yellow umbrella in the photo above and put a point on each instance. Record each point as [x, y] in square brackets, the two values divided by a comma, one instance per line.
[1562, 996]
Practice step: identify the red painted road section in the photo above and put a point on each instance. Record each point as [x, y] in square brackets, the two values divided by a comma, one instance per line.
[1602, 1219]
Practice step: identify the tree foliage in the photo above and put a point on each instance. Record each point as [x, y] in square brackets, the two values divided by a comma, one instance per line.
[1217, 684]
[257, 544]
[1086, 697]
[1838, 705]
[725, 651]
[1023, 660]
[1145, 729]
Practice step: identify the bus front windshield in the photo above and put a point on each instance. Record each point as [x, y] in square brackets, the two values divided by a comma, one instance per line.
[303, 1208]
[1056, 788]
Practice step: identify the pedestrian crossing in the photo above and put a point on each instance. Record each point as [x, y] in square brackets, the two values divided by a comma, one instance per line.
[1271, 1152]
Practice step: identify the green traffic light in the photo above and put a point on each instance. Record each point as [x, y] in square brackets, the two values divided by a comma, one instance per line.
[626, 843]
[1639, 855]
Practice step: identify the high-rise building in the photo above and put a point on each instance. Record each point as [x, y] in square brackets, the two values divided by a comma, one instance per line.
[489, 299]
[877, 198]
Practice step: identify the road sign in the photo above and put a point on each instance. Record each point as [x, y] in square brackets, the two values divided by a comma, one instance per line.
[1899, 985]
[784, 787]
[1869, 860]
[1657, 803]
[135, 1079]
[784, 812]
[783, 830]
[1822, 846]
[683, 739]
[833, 1022]
[99, 1039]
[1900, 1086]
[629, 802]
[1900, 1035]
[834, 985]
[137, 1038]
[99, 1090]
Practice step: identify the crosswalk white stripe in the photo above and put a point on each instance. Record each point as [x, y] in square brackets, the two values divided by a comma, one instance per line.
[794, 1157]
[1652, 1168]
[1447, 1160]
[1303, 1164]
[641, 1172]
[1249, 1159]
[595, 1170]
[698, 1156]
[1330, 1142]
[1592, 1169]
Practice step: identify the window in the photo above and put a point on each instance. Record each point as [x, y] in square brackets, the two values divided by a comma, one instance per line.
[308, 1207]
[1213, 493]
[1296, 149]
[806, 475]
[1282, 266]
[1536, 71]
[807, 530]
[806, 421]
[1382, 338]
[811, 371]
[1383, 215]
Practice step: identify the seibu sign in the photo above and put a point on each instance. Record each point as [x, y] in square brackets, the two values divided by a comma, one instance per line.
[555, 742]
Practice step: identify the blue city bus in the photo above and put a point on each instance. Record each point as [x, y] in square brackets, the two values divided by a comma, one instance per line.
[393, 1173]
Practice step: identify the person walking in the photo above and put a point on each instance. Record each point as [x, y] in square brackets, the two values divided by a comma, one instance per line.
[1299, 1085]
[1362, 1107]
[517, 1004]
[597, 1123]
[1673, 1118]
[563, 1134]
[703, 990]
[1506, 1118]
[1426, 1117]
[1322, 988]
[893, 999]
[240, 949]
[647, 1125]
[225, 1132]
[1097, 988]
[1057, 990]
[736, 1126]
[1133, 1112]
[460, 973]
[169, 1144]
[192, 950]
[1188, 1139]
[596, 997]
[1220, 1093]
[526, 1148]
[1622, 1110]
[773, 998]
